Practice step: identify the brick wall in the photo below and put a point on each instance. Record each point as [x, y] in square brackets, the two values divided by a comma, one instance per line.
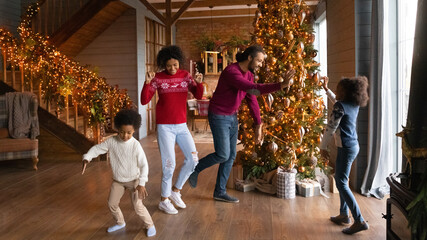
[189, 30]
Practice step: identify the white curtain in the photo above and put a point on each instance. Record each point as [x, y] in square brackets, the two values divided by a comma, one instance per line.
[380, 141]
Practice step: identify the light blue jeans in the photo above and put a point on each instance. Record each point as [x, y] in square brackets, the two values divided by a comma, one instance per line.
[167, 136]
[345, 158]
[224, 131]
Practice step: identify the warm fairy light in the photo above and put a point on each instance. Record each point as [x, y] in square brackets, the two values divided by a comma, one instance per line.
[58, 75]
[293, 118]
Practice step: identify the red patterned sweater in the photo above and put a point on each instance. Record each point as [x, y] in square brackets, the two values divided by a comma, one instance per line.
[172, 105]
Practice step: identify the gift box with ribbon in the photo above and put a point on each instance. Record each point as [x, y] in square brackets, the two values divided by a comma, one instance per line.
[308, 188]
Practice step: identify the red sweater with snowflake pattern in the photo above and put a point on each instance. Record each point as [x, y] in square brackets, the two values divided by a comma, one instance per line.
[172, 89]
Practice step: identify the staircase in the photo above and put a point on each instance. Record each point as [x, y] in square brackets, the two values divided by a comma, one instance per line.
[70, 26]
[82, 22]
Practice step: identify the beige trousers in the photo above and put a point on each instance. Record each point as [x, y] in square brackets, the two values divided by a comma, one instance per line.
[116, 192]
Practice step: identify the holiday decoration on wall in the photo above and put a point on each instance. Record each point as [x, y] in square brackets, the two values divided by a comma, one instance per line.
[59, 78]
[293, 118]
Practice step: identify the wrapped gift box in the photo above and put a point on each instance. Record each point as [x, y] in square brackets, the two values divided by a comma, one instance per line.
[286, 183]
[235, 174]
[308, 188]
[245, 186]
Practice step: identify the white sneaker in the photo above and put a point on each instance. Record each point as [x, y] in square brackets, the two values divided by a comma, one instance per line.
[151, 231]
[167, 207]
[177, 200]
[115, 228]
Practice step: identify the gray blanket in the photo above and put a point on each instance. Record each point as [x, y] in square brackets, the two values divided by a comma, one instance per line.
[22, 113]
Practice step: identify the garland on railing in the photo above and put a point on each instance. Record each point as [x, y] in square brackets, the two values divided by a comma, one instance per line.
[59, 76]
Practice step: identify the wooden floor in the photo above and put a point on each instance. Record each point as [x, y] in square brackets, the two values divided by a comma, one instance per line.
[57, 202]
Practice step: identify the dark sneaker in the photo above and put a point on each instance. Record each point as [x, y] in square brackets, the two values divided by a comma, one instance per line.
[192, 180]
[356, 227]
[341, 219]
[226, 198]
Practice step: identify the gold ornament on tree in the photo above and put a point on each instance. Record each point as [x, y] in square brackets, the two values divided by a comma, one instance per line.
[290, 36]
[270, 100]
[302, 17]
[287, 102]
[272, 147]
[301, 133]
[312, 161]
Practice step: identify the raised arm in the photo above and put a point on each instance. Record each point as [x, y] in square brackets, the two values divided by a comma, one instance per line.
[239, 82]
[329, 93]
[149, 89]
[196, 86]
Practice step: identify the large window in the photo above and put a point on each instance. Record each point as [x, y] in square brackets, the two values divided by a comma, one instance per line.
[321, 45]
[406, 18]
[154, 41]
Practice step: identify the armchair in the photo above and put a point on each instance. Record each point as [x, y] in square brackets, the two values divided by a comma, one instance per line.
[19, 127]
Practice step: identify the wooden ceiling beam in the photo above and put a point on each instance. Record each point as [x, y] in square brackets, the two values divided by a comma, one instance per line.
[219, 13]
[181, 11]
[206, 3]
[154, 11]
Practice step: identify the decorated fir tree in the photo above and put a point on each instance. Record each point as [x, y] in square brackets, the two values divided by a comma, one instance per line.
[293, 119]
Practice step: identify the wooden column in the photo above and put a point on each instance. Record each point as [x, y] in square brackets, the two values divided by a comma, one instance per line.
[21, 68]
[67, 110]
[13, 76]
[31, 80]
[40, 94]
[76, 116]
[4, 64]
[85, 126]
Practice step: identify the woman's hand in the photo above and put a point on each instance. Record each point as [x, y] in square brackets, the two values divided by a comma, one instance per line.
[325, 82]
[85, 162]
[198, 77]
[287, 78]
[149, 76]
[142, 192]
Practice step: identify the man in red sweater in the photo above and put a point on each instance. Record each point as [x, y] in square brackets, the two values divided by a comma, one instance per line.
[235, 83]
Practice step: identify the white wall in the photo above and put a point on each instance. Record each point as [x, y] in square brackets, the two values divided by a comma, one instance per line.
[113, 54]
[141, 13]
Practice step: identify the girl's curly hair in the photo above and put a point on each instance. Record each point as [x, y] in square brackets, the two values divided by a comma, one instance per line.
[167, 53]
[354, 90]
[127, 117]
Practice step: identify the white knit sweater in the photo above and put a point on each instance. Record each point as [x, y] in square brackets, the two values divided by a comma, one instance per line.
[127, 159]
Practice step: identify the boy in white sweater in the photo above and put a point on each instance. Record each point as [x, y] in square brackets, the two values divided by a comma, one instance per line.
[130, 169]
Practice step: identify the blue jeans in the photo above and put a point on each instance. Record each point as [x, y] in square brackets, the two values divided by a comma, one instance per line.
[224, 131]
[345, 158]
[167, 136]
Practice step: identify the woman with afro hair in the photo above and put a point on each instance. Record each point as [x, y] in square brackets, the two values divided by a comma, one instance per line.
[172, 84]
[351, 94]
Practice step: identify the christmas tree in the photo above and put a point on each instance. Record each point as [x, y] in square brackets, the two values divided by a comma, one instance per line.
[293, 118]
